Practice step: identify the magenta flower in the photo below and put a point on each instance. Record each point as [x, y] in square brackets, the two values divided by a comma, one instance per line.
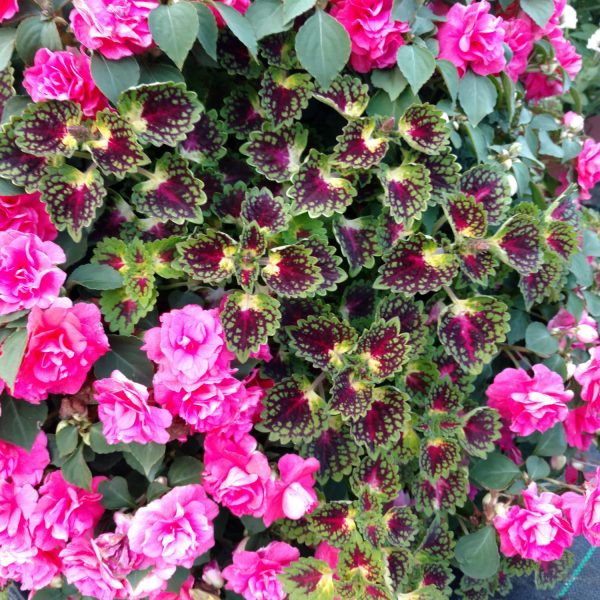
[588, 167]
[26, 213]
[8, 9]
[20, 466]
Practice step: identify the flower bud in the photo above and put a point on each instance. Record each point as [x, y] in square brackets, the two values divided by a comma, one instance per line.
[558, 462]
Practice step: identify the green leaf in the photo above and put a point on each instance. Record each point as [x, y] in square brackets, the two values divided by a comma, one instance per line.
[174, 28]
[496, 472]
[98, 442]
[114, 76]
[552, 442]
[145, 458]
[294, 8]
[13, 350]
[115, 494]
[266, 17]
[185, 470]
[323, 47]
[126, 356]
[417, 64]
[20, 421]
[539, 10]
[76, 471]
[7, 45]
[538, 339]
[207, 30]
[239, 25]
[477, 554]
[582, 270]
[450, 75]
[67, 439]
[253, 525]
[477, 96]
[591, 243]
[96, 277]
[537, 467]
[390, 80]
[34, 33]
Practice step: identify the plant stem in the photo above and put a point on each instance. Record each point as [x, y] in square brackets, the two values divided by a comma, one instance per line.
[563, 484]
[451, 294]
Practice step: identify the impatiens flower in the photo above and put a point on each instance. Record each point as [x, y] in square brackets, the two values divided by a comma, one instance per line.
[17, 503]
[236, 474]
[64, 75]
[115, 28]
[585, 331]
[580, 427]
[574, 121]
[529, 403]
[254, 574]
[28, 273]
[65, 511]
[64, 342]
[520, 39]
[539, 531]
[8, 9]
[20, 466]
[590, 523]
[588, 167]
[375, 36]
[26, 213]
[38, 571]
[125, 413]
[292, 495]
[588, 376]
[471, 37]
[176, 528]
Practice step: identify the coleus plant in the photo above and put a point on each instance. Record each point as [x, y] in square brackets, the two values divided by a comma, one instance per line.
[379, 239]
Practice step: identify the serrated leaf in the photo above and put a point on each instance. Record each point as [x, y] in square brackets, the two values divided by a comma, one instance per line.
[123, 313]
[328, 264]
[266, 210]
[519, 243]
[379, 472]
[357, 239]
[283, 97]
[447, 493]
[308, 578]
[241, 111]
[438, 457]
[336, 451]
[481, 428]
[251, 247]
[537, 286]
[292, 271]
[7, 80]
[360, 146]
[206, 141]
[411, 315]
[350, 395]
[417, 64]
[561, 237]
[490, 188]
[467, 217]
[346, 94]
[335, 522]
[443, 172]
[24, 170]
[438, 541]
[423, 128]
[550, 573]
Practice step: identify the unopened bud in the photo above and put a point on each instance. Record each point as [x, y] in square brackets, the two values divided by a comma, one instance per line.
[558, 462]
[211, 575]
[512, 184]
[577, 465]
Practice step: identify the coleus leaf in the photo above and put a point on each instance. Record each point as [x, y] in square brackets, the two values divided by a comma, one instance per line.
[423, 128]
[389, 231]
[490, 187]
[350, 395]
[518, 243]
[406, 190]
[565, 209]
[380, 473]
[443, 172]
[72, 197]
[359, 560]
[346, 94]
[328, 264]
[160, 113]
[248, 321]
[278, 49]
[561, 237]
[7, 90]
[336, 451]
[384, 421]
[536, 286]
[418, 377]
[470, 330]
[111, 252]
[172, 193]
[23, 169]
[382, 349]
[444, 397]
[292, 271]
[477, 265]
[481, 429]
[399, 564]
[308, 577]
[123, 313]
[276, 154]
[227, 203]
[263, 208]
[412, 318]
[551, 573]
[206, 141]
[448, 367]
[416, 265]
[447, 493]
[334, 522]
[251, 247]
[438, 456]
[467, 216]
[324, 341]
[284, 97]
[358, 241]
[370, 520]
[359, 146]
[358, 302]
[437, 576]
[402, 525]
[208, 257]
[294, 310]
[241, 111]
[138, 276]
[317, 188]
[438, 541]
[114, 146]
[162, 254]
[45, 128]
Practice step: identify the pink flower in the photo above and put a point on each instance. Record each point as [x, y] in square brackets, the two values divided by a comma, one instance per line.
[125, 413]
[38, 571]
[292, 495]
[20, 466]
[26, 213]
[64, 75]
[529, 403]
[374, 35]
[588, 167]
[236, 474]
[17, 503]
[65, 511]
[580, 428]
[240, 5]
[329, 554]
[520, 39]
[573, 121]
[254, 574]
[115, 28]
[539, 531]
[506, 443]
[585, 331]
[587, 375]
[28, 273]
[590, 522]
[471, 37]
[64, 342]
[8, 9]
[176, 528]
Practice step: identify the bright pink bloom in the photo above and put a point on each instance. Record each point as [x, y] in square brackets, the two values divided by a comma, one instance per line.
[529, 403]
[471, 37]
[28, 273]
[520, 39]
[20, 466]
[236, 474]
[125, 413]
[176, 528]
[26, 213]
[254, 574]
[64, 75]
[585, 331]
[506, 443]
[240, 5]
[38, 571]
[588, 167]
[292, 495]
[588, 376]
[17, 503]
[590, 523]
[8, 9]
[64, 342]
[580, 428]
[115, 28]
[374, 35]
[330, 554]
[65, 511]
[539, 531]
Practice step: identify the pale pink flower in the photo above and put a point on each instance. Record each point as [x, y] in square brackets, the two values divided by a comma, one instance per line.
[520, 39]
[8, 9]
[292, 495]
[254, 574]
[64, 342]
[212, 575]
[529, 403]
[176, 528]
[64, 75]
[236, 474]
[28, 273]
[585, 331]
[21, 466]
[374, 35]
[573, 121]
[539, 531]
[588, 167]
[125, 413]
[115, 28]
[472, 37]
[17, 503]
[26, 213]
